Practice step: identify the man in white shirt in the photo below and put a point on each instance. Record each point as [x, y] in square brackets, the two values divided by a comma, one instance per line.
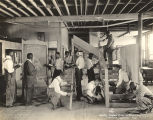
[55, 91]
[78, 73]
[93, 91]
[58, 65]
[123, 82]
[10, 78]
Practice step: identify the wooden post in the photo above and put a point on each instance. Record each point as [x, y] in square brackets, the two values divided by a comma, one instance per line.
[106, 89]
[138, 55]
[71, 96]
[103, 64]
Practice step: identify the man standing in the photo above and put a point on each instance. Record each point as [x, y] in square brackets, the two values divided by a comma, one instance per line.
[108, 48]
[78, 73]
[29, 78]
[58, 65]
[90, 68]
[10, 78]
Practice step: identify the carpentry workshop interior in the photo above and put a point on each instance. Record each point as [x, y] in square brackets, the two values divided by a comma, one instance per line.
[78, 58]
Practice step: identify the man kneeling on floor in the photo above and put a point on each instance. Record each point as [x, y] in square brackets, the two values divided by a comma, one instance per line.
[55, 91]
[93, 92]
[144, 97]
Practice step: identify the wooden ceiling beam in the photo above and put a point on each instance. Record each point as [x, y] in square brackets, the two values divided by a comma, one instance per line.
[115, 6]
[26, 7]
[38, 8]
[15, 6]
[48, 9]
[67, 9]
[111, 25]
[5, 12]
[57, 7]
[125, 6]
[145, 5]
[106, 17]
[76, 6]
[95, 8]
[10, 9]
[105, 6]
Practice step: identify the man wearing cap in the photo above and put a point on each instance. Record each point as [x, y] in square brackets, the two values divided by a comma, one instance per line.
[78, 73]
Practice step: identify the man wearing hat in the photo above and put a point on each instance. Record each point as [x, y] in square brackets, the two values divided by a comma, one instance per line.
[78, 73]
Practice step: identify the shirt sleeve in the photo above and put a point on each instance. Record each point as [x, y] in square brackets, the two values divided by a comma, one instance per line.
[58, 89]
[8, 65]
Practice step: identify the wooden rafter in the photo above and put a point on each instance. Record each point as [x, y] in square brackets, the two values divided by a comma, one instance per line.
[38, 8]
[67, 9]
[115, 6]
[145, 5]
[26, 7]
[97, 1]
[5, 12]
[125, 6]
[9, 9]
[57, 7]
[15, 6]
[86, 6]
[135, 6]
[149, 9]
[48, 9]
[76, 6]
[81, 7]
[105, 6]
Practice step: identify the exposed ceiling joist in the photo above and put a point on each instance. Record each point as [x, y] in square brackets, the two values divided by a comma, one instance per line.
[57, 7]
[48, 9]
[5, 12]
[10, 9]
[97, 1]
[38, 8]
[106, 17]
[115, 6]
[15, 6]
[145, 5]
[76, 6]
[105, 6]
[125, 6]
[135, 6]
[67, 9]
[26, 7]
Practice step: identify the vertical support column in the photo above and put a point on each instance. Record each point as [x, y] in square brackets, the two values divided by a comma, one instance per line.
[146, 47]
[103, 65]
[138, 55]
[106, 89]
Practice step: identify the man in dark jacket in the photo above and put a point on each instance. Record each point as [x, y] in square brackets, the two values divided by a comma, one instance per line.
[29, 78]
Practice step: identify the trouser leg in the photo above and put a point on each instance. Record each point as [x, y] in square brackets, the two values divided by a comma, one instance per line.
[78, 83]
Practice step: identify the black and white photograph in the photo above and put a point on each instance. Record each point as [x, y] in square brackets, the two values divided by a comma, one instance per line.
[76, 59]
